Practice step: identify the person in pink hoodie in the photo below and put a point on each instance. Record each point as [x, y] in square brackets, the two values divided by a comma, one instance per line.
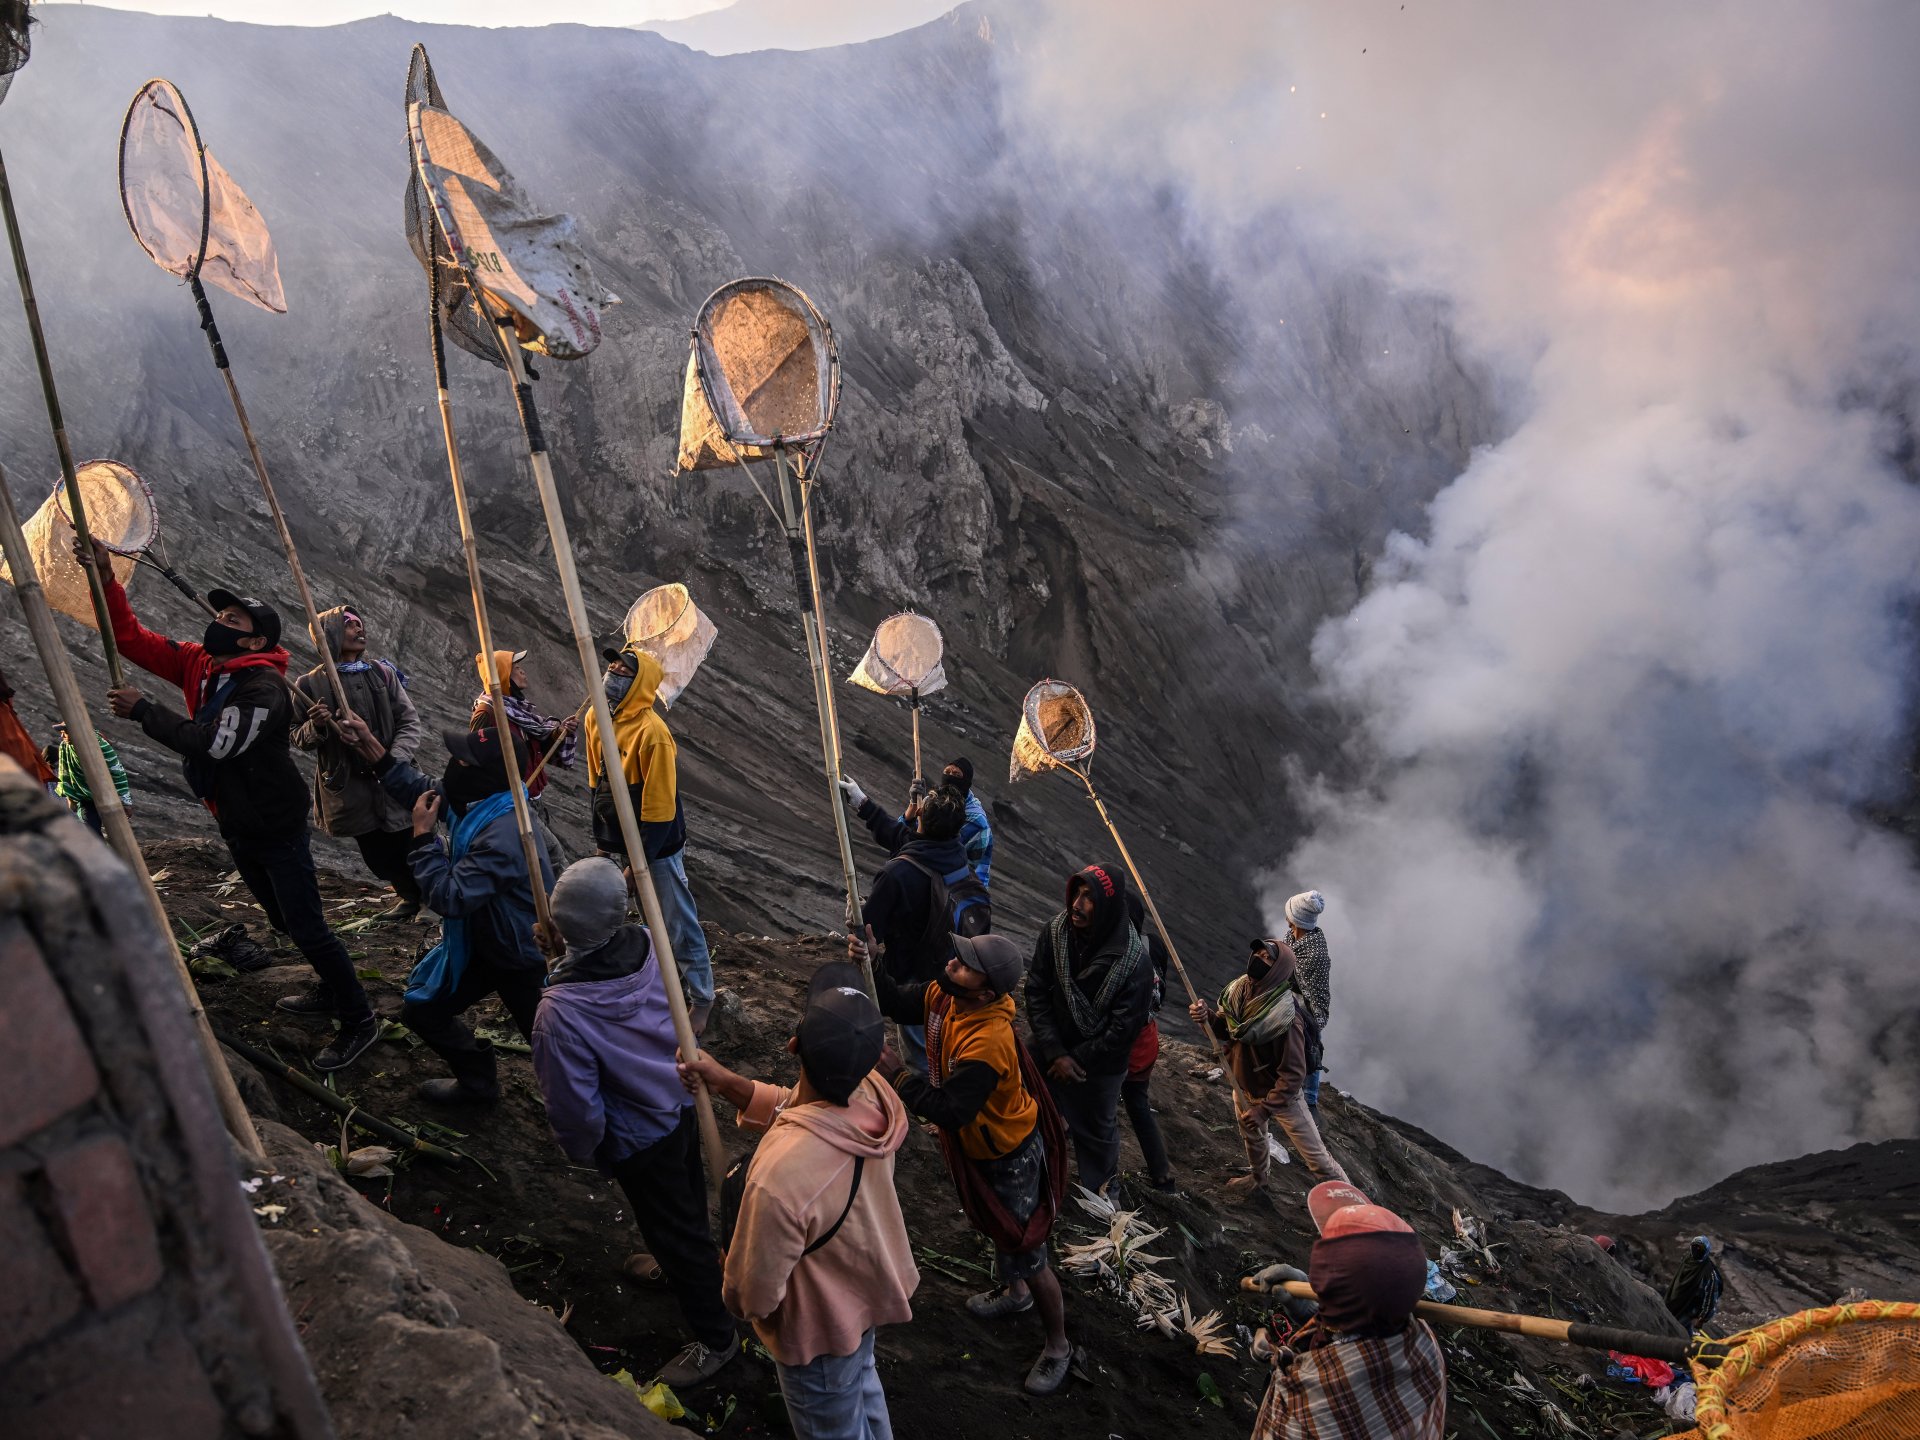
[820, 1255]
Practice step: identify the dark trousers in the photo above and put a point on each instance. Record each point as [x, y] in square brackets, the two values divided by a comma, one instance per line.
[280, 874]
[90, 817]
[438, 1022]
[384, 852]
[1091, 1110]
[668, 1193]
[1146, 1127]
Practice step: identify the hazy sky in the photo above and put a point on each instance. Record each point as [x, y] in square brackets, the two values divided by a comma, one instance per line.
[443, 12]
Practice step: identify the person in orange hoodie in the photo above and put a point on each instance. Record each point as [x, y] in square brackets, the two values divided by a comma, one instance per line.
[820, 1256]
[16, 742]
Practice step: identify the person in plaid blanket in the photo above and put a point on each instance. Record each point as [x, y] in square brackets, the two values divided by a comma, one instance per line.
[1362, 1367]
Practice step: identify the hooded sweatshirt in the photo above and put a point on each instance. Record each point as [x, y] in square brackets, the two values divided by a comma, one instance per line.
[796, 1187]
[916, 949]
[233, 740]
[650, 762]
[1099, 1049]
[534, 734]
[347, 797]
[603, 1051]
[1269, 1074]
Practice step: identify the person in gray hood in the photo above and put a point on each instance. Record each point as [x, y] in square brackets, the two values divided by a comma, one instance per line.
[603, 1054]
[348, 799]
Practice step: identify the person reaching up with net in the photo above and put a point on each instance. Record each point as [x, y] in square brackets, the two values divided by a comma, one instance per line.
[1089, 986]
[1262, 1020]
[348, 798]
[234, 742]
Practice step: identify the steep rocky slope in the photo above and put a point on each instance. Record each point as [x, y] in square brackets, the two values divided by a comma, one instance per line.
[1068, 432]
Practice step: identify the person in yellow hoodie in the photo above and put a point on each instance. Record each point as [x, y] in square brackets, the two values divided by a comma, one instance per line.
[649, 761]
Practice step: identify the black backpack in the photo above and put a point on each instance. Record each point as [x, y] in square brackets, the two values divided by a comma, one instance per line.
[733, 1190]
[960, 905]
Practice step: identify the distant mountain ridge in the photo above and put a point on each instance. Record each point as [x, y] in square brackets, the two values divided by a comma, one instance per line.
[747, 25]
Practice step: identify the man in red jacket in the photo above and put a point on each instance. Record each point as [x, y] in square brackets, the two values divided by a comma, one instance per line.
[233, 742]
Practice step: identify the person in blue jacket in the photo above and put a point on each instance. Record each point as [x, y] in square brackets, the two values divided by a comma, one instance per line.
[976, 832]
[475, 879]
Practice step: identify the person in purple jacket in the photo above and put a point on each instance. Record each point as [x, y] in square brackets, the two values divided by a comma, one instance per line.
[603, 1053]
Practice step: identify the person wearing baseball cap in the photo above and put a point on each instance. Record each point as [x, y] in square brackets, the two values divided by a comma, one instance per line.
[233, 740]
[1001, 1134]
[534, 734]
[820, 1256]
[476, 880]
[1364, 1367]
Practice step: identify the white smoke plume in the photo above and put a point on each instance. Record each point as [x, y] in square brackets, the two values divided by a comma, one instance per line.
[1611, 902]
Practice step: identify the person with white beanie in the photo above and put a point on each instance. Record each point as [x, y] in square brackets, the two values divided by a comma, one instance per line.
[1315, 980]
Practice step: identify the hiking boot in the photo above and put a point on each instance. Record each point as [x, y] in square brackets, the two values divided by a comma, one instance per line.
[457, 1092]
[996, 1304]
[697, 1364]
[349, 1043]
[316, 999]
[401, 911]
[1049, 1373]
[233, 946]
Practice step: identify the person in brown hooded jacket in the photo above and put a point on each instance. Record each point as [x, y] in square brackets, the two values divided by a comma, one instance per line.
[1262, 1019]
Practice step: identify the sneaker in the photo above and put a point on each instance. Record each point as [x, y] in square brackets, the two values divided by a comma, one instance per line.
[997, 1304]
[697, 1364]
[348, 1044]
[457, 1092]
[1168, 1186]
[316, 999]
[236, 948]
[1049, 1372]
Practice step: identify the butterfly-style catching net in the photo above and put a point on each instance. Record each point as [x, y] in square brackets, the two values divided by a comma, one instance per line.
[1846, 1372]
[522, 258]
[121, 515]
[904, 657]
[1056, 729]
[666, 624]
[763, 373]
[185, 209]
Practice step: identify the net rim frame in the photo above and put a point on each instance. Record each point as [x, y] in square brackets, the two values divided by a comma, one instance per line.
[192, 127]
[60, 502]
[873, 647]
[486, 299]
[1077, 760]
[686, 599]
[817, 323]
[1753, 1348]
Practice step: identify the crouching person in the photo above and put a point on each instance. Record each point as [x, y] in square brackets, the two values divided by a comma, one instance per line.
[1002, 1136]
[603, 1053]
[1362, 1367]
[819, 1255]
[476, 881]
[1263, 1020]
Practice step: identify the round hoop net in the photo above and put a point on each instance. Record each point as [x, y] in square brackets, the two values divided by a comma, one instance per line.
[1056, 728]
[121, 515]
[183, 207]
[764, 374]
[667, 625]
[1847, 1372]
[904, 657]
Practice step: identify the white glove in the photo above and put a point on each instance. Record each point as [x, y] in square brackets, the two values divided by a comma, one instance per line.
[856, 797]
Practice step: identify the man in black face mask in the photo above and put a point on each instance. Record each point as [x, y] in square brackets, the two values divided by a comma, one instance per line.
[476, 881]
[234, 744]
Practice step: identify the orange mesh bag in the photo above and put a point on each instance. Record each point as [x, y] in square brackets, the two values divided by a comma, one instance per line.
[1848, 1372]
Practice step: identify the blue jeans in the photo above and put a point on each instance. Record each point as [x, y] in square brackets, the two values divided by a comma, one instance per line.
[689, 941]
[1311, 1089]
[836, 1397]
[913, 1047]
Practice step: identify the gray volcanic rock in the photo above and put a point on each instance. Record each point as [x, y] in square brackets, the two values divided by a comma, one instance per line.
[1080, 439]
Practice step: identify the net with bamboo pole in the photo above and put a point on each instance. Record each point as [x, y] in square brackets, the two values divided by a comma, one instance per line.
[1843, 1372]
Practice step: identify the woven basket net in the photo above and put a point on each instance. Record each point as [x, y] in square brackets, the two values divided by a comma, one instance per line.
[1056, 728]
[904, 657]
[1848, 1372]
[121, 516]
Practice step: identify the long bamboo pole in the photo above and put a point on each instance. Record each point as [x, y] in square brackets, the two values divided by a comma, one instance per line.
[273, 499]
[716, 1155]
[76, 506]
[1571, 1332]
[797, 516]
[106, 800]
[916, 732]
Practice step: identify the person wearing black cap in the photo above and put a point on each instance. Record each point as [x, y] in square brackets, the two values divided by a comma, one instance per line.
[233, 743]
[1002, 1136]
[1089, 987]
[1358, 1364]
[820, 1254]
[477, 882]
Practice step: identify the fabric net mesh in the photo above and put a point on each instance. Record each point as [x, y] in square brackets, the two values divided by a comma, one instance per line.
[185, 209]
[904, 657]
[666, 624]
[121, 516]
[763, 370]
[15, 43]
[1848, 1372]
[1056, 728]
[453, 296]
